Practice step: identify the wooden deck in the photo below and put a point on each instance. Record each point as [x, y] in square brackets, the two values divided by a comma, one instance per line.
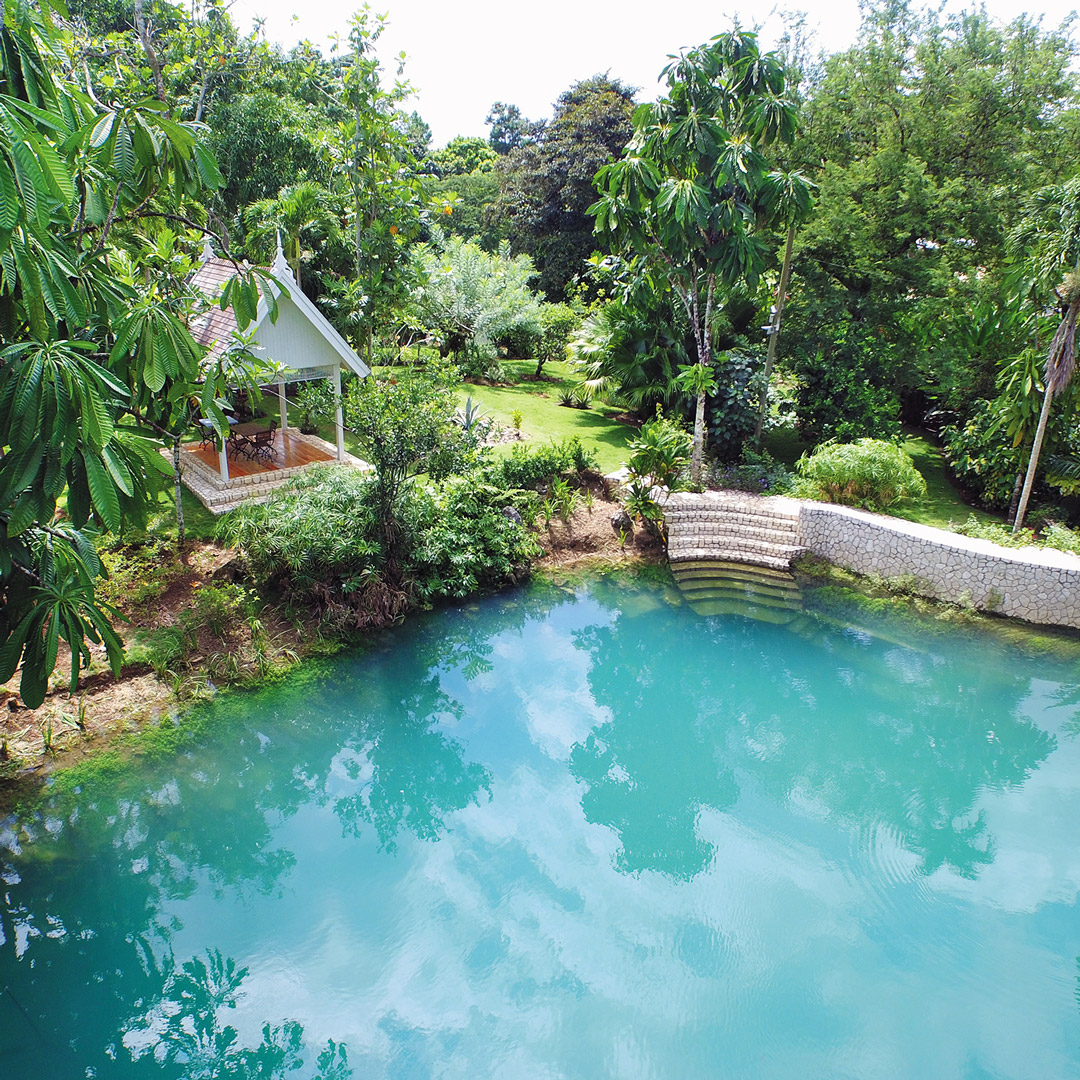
[291, 453]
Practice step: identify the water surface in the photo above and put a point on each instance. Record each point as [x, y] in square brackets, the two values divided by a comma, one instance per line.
[575, 833]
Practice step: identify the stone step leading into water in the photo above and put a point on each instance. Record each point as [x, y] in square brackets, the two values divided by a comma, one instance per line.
[734, 527]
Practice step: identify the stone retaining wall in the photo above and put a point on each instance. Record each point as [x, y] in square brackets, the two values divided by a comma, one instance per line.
[1040, 585]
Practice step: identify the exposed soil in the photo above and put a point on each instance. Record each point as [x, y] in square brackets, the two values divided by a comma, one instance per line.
[69, 726]
[589, 535]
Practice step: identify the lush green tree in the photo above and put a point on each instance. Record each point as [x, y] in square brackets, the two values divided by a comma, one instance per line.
[558, 322]
[263, 142]
[300, 211]
[376, 175]
[84, 185]
[924, 139]
[462, 155]
[509, 129]
[469, 298]
[685, 200]
[404, 422]
[546, 185]
[471, 198]
[417, 134]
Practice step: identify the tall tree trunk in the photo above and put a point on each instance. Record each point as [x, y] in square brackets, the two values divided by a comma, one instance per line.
[1033, 461]
[1014, 502]
[148, 47]
[1060, 365]
[774, 333]
[699, 441]
[179, 492]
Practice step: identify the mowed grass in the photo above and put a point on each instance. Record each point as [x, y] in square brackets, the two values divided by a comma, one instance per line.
[943, 504]
[544, 419]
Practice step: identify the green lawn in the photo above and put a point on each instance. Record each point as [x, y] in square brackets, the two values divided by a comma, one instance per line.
[943, 503]
[543, 418]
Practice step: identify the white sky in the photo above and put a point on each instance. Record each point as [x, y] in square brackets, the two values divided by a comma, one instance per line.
[465, 55]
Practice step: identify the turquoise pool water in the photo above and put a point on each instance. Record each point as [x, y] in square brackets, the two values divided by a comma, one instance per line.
[575, 833]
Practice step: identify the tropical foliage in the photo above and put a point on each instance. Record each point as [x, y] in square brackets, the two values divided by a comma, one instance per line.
[870, 473]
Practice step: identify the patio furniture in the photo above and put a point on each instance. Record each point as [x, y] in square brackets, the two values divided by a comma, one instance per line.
[207, 435]
[262, 443]
[254, 441]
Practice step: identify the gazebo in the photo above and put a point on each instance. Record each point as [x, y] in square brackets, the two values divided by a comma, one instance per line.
[304, 346]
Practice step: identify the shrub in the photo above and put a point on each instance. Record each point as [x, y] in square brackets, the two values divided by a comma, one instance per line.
[464, 541]
[525, 468]
[319, 541]
[868, 472]
[315, 539]
[557, 323]
[733, 406]
[757, 472]
[661, 452]
[217, 607]
[1054, 535]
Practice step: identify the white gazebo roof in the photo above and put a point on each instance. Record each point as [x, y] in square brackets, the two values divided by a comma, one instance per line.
[301, 341]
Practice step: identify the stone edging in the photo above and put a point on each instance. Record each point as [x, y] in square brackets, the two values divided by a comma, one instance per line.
[1039, 585]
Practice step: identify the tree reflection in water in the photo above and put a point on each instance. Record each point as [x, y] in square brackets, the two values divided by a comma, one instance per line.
[696, 703]
[93, 986]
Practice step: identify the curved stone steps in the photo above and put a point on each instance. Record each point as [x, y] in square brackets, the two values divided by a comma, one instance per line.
[734, 587]
[738, 596]
[732, 527]
[750, 558]
[778, 616]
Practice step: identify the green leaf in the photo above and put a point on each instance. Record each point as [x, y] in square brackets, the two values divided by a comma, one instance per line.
[12, 648]
[9, 197]
[117, 469]
[102, 130]
[102, 491]
[124, 152]
[209, 172]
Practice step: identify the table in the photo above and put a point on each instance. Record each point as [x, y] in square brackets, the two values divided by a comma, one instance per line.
[209, 435]
[242, 437]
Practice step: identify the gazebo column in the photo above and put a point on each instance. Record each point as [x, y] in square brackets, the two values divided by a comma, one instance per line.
[339, 421]
[223, 459]
[283, 408]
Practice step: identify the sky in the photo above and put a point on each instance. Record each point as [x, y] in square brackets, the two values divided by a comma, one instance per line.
[463, 56]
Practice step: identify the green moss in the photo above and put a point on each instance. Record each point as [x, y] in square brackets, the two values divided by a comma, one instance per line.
[889, 608]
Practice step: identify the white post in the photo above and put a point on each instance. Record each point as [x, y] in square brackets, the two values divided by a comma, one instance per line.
[223, 461]
[284, 409]
[339, 420]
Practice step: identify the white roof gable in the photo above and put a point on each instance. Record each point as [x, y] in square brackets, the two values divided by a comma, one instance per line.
[301, 338]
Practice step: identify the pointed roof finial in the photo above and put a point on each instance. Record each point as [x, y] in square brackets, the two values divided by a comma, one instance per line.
[282, 267]
[207, 250]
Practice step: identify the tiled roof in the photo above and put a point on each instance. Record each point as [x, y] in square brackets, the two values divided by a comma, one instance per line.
[213, 328]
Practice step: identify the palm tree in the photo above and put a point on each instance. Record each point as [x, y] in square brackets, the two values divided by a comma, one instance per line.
[1049, 237]
[296, 208]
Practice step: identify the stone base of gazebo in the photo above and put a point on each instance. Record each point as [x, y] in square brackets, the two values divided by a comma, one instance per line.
[257, 480]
